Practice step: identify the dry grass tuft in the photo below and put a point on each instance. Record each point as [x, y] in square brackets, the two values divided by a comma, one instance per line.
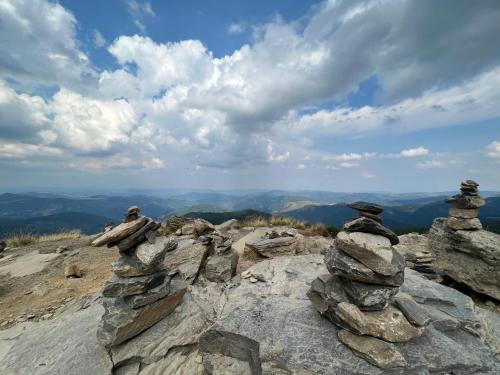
[24, 239]
[260, 221]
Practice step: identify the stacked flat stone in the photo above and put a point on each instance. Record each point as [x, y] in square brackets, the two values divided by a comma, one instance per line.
[464, 215]
[359, 294]
[141, 292]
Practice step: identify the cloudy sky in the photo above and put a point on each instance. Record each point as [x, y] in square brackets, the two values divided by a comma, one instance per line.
[333, 95]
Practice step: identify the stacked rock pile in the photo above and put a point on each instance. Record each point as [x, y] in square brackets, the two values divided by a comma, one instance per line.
[464, 215]
[359, 293]
[141, 292]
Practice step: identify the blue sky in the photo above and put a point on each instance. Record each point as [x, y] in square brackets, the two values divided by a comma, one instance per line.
[331, 95]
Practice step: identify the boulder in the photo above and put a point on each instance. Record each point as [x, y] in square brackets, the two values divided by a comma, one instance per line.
[197, 227]
[375, 351]
[174, 223]
[456, 223]
[120, 232]
[153, 254]
[276, 246]
[469, 257]
[187, 259]
[341, 264]
[365, 225]
[371, 216]
[368, 296]
[220, 268]
[130, 266]
[373, 251]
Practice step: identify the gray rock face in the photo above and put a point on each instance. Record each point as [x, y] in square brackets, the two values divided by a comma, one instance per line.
[470, 257]
[152, 254]
[220, 268]
[338, 263]
[373, 251]
[366, 225]
[152, 295]
[415, 314]
[61, 346]
[368, 296]
[130, 266]
[270, 246]
[187, 259]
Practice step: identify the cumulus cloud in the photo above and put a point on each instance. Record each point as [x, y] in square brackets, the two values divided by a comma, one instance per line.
[236, 28]
[493, 150]
[413, 152]
[99, 40]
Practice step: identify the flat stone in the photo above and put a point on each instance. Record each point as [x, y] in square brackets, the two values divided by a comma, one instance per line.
[220, 268]
[271, 247]
[365, 206]
[414, 312]
[464, 224]
[368, 296]
[152, 295]
[388, 324]
[373, 251]
[366, 225]
[151, 254]
[120, 232]
[120, 286]
[470, 183]
[466, 201]
[378, 352]
[130, 266]
[187, 259]
[339, 263]
[120, 322]
[371, 216]
[129, 243]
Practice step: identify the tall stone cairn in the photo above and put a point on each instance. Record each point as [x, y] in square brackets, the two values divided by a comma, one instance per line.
[464, 215]
[361, 294]
[141, 292]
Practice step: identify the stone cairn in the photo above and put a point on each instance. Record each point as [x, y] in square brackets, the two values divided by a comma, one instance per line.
[464, 215]
[141, 292]
[359, 294]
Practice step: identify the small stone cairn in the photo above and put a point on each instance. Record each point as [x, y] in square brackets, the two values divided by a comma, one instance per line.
[361, 294]
[464, 215]
[141, 292]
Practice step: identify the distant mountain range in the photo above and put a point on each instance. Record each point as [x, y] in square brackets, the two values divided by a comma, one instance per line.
[45, 212]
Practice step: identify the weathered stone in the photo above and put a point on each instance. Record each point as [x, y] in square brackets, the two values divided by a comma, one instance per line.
[372, 250]
[174, 223]
[129, 243]
[365, 225]
[231, 345]
[388, 324]
[466, 201]
[119, 286]
[339, 263]
[375, 351]
[416, 314]
[271, 247]
[72, 270]
[120, 322]
[368, 296]
[463, 213]
[371, 216]
[469, 257]
[153, 254]
[150, 296]
[220, 268]
[187, 259]
[367, 207]
[130, 265]
[464, 224]
[228, 225]
[120, 232]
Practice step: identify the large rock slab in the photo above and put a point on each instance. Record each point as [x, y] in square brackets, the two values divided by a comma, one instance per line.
[272, 247]
[220, 268]
[339, 263]
[187, 259]
[120, 322]
[120, 232]
[368, 296]
[61, 346]
[119, 286]
[469, 257]
[374, 251]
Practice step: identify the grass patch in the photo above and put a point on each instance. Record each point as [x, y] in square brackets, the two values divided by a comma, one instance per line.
[260, 221]
[24, 239]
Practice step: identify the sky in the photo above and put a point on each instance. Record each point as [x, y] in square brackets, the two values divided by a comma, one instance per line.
[338, 95]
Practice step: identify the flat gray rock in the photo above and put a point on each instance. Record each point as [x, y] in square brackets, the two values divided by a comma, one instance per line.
[127, 286]
[368, 296]
[366, 225]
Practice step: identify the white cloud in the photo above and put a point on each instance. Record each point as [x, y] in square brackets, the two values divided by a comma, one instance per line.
[154, 163]
[301, 166]
[236, 28]
[368, 175]
[430, 164]
[493, 150]
[99, 40]
[139, 8]
[413, 152]
[22, 151]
